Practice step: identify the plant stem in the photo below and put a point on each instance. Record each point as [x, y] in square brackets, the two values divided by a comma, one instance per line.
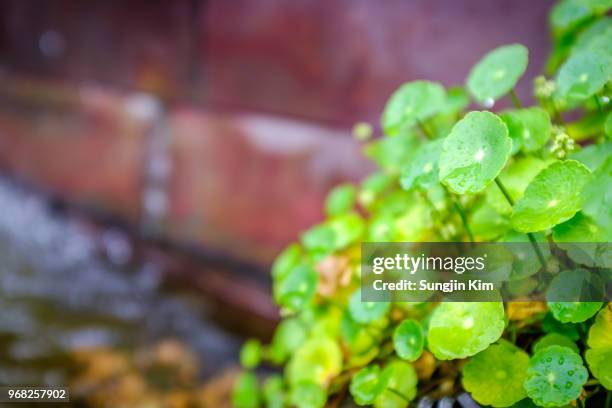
[460, 210]
[515, 100]
[532, 239]
[399, 394]
[464, 221]
[608, 400]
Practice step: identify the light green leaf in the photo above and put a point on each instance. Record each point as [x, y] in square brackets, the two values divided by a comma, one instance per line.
[567, 289]
[599, 28]
[593, 155]
[554, 196]
[600, 333]
[597, 196]
[581, 228]
[340, 199]
[402, 379]
[567, 15]
[296, 290]
[373, 187]
[497, 73]
[273, 392]
[599, 354]
[529, 128]
[290, 334]
[459, 329]
[515, 178]
[422, 170]
[317, 360]
[286, 261]
[555, 376]
[366, 312]
[308, 394]
[554, 339]
[474, 153]
[583, 75]
[392, 153]
[412, 102]
[608, 125]
[408, 340]
[367, 384]
[250, 354]
[245, 393]
[495, 376]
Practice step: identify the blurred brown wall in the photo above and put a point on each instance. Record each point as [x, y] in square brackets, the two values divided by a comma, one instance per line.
[259, 95]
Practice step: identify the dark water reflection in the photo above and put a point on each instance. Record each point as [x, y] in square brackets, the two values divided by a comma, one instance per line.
[63, 288]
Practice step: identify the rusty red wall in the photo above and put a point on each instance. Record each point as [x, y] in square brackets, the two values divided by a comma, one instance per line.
[259, 94]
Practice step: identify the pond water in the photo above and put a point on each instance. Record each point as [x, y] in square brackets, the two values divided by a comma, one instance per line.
[64, 288]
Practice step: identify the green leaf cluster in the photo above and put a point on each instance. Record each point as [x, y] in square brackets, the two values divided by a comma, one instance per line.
[539, 174]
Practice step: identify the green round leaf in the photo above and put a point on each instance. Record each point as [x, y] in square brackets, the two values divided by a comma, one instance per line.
[367, 384]
[317, 360]
[289, 335]
[599, 363]
[245, 393]
[581, 228]
[392, 153]
[497, 73]
[552, 325]
[250, 354]
[308, 394]
[567, 15]
[348, 229]
[459, 330]
[412, 102]
[529, 128]
[403, 380]
[495, 376]
[273, 392]
[583, 75]
[599, 28]
[600, 333]
[297, 289]
[554, 339]
[573, 312]
[408, 340]
[366, 312]
[341, 199]
[373, 187]
[474, 153]
[571, 285]
[286, 261]
[515, 178]
[597, 197]
[554, 196]
[422, 170]
[599, 355]
[593, 156]
[555, 376]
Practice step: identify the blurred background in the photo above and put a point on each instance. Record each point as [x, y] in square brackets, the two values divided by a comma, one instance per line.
[156, 155]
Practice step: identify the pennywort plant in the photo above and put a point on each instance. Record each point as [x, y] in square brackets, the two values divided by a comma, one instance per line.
[534, 174]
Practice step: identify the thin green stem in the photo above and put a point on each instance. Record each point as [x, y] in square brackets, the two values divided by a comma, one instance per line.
[399, 394]
[461, 211]
[608, 400]
[464, 220]
[532, 239]
[515, 100]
